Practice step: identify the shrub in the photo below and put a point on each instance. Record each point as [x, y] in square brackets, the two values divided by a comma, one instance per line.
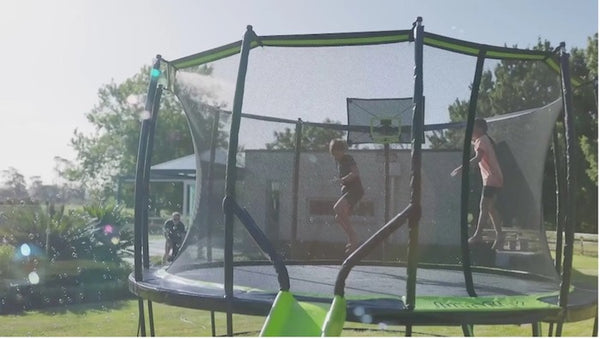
[6, 254]
[95, 232]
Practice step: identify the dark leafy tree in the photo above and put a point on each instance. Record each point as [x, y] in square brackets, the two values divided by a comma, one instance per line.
[110, 151]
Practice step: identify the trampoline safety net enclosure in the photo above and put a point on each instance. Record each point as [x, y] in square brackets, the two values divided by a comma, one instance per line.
[302, 91]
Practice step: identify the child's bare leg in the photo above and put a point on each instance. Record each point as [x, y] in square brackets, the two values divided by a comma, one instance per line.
[484, 206]
[342, 216]
[495, 219]
[167, 250]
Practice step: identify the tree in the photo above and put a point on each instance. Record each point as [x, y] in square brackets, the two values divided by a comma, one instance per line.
[518, 85]
[15, 188]
[111, 150]
[313, 138]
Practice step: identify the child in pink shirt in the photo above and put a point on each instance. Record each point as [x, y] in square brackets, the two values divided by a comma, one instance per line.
[491, 175]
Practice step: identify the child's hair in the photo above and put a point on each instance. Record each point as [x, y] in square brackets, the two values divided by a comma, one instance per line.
[481, 124]
[337, 145]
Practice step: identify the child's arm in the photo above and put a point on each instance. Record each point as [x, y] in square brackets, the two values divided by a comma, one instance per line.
[474, 161]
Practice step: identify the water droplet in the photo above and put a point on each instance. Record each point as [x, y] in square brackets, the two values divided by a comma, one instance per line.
[358, 311]
[34, 278]
[25, 250]
[366, 319]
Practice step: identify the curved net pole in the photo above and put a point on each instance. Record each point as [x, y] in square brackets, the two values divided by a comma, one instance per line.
[464, 193]
[415, 181]
[141, 194]
[146, 187]
[231, 171]
[570, 174]
[560, 190]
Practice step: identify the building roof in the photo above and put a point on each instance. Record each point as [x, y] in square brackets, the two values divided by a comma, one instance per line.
[184, 168]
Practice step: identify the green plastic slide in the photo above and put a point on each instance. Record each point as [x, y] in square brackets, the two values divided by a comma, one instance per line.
[289, 317]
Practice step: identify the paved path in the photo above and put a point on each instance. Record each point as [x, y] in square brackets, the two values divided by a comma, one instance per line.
[156, 247]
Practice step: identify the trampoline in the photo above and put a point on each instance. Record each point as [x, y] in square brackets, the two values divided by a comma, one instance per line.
[263, 239]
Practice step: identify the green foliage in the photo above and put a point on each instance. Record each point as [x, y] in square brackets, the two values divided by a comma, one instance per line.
[313, 138]
[111, 151]
[96, 233]
[6, 254]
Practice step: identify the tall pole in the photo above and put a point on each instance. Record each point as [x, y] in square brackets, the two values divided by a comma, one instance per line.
[560, 191]
[295, 188]
[386, 190]
[146, 175]
[231, 171]
[465, 185]
[415, 181]
[570, 192]
[141, 198]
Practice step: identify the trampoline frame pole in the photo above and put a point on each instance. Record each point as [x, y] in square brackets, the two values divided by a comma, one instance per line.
[465, 185]
[210, 184]
[146, 176]
[570, 218]
[140, 191]
[386, 190]
[231, 171]
[295, 187]
[560, 190]
[415, 171]
[146, 188]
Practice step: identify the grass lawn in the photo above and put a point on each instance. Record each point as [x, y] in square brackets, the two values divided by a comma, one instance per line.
[120, 319]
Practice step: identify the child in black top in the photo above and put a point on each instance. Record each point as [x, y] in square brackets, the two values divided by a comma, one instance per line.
[352, 190]
[174, 232]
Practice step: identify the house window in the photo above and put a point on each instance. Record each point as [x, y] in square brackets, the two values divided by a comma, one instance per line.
[319, 207]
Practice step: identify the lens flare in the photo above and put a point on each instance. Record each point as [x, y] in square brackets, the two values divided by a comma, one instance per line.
[133, 100]
[25, 250]
[108, 229]
[34, 278]
[359, 311]
[366, 319]
[145, 115]
[154, 72]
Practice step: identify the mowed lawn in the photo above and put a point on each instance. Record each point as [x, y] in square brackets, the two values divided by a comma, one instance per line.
[120, 318]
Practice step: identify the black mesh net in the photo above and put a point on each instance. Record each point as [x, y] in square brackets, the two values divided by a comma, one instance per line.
[306, 90]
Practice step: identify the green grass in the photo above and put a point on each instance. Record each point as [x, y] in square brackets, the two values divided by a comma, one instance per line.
[120, 318]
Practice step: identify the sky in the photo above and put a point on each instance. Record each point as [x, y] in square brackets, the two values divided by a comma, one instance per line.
[56, 54]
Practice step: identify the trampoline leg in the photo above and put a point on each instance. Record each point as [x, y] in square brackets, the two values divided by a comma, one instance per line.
[141, 320]
[559, 326]
[408, 331]
[229, 323]
[595, 329]
[536, 329]
[550, 329]
[151, 318]
[468, 330]
[212, 324]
